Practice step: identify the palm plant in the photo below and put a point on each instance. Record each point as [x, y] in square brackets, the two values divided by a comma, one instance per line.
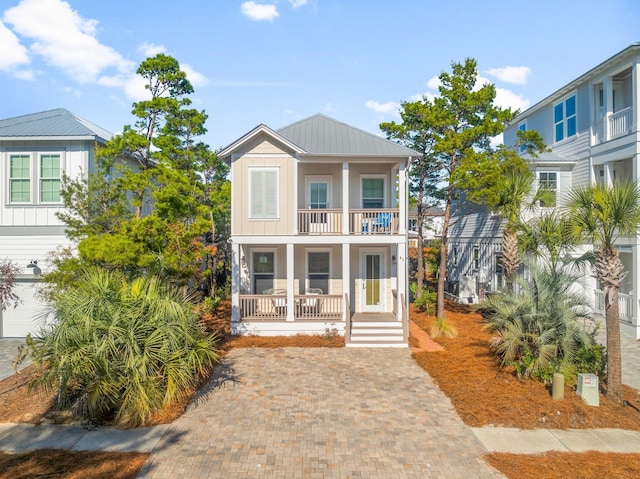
[120, 349]
[540, 326]
[601, 215]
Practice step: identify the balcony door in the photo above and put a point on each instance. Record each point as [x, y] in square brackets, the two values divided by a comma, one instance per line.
[318, 197]
[373, 280]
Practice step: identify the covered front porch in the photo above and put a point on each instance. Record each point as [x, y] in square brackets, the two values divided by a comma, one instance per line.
[301, 288]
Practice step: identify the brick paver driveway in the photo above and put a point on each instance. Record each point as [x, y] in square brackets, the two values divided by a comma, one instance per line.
[319, 413]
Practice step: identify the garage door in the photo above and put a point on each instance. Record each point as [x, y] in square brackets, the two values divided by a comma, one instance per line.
[25, 319]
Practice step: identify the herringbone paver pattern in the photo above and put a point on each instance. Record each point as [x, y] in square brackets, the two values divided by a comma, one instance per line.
[319, 413]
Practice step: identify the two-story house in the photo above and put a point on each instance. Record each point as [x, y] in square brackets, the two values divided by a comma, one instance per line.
[35, 151]
[319, 232]
[591, 125]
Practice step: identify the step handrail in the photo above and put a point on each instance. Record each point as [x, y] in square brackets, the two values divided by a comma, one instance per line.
[347, 319]
[405, 319]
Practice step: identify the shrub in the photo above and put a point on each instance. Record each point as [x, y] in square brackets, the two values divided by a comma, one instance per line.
[121, 350]
[426, 302]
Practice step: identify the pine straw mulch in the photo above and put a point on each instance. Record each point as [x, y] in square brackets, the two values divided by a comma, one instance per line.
[58, 464]
[485, 394]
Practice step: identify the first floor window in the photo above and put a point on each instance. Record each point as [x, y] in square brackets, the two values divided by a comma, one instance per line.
[499, 273]
[476, 257]
[549, 181]
[318, 270]
[263, 271]
[263, 193]
[20, 178]
[455, 256]
[50, 178]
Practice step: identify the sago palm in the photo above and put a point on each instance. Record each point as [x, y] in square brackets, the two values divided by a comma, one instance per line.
[122, 349]
[601, 215]
[540, 323]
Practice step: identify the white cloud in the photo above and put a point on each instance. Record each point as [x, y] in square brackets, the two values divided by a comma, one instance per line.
[196, 78]
[151, 50]
[65, 39]
[28, 75]
[259, 11]
[331, 108]
[434, 83]
[298, 3]
[382, 107]
[515, 75]
[508, 99]
[13, 52]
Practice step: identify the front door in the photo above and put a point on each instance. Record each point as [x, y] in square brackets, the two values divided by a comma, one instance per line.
[372, 281]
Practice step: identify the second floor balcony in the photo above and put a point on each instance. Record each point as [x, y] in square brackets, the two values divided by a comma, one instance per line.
[613, 126]
[362, 221]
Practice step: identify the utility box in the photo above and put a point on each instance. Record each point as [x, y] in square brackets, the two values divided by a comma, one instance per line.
[588, 389]
[467, 289]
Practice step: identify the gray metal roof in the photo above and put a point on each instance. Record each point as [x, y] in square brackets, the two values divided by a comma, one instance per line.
[321, 135]
[52, 123]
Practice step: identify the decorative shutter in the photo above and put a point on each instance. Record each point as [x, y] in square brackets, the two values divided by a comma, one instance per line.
[264, 193]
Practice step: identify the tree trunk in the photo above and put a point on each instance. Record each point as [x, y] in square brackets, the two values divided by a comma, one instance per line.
[420, 255]
[510, 257]
[442, 267]
[614, 355]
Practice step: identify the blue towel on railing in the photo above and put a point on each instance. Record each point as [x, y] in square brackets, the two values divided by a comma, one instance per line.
[383, 222]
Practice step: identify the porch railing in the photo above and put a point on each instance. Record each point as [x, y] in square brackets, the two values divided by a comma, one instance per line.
[273, 307]
[625, 305]
[374, 221]
[620, 122]
[347, 326]
[321, 221]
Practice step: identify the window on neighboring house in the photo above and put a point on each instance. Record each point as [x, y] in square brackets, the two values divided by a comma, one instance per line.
[476, 257]
[455, 256]
[20, 179]
[565, 118]
[50, 178]
[373, 192]
[263, 193]
[263, 271]
[549, 181]
[522, 127]
[318, 270]
[499, 273]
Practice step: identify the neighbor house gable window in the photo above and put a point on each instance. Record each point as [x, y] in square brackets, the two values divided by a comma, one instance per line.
[263, 193]
[20, 178]
[49, 178]
[549, 181]
[565, 118]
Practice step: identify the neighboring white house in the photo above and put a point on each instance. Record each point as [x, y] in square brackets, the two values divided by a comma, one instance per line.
[319, 232]
[35, 150]
[591, 124]
[431, 227]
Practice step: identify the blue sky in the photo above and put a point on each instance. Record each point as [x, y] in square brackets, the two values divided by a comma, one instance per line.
[278, 61]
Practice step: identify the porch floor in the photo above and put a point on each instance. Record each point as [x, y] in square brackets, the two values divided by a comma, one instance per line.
[373, 317]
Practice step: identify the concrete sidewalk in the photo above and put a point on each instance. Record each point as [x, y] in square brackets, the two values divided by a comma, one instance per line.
[536, 441]
[16, 438]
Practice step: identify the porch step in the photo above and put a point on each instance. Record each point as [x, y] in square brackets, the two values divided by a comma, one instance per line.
[371, 334]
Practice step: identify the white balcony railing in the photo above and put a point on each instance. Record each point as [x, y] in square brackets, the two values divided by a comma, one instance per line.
[620, 122]
[273, 307]
[325, 221]
[374, 221]
[625, 305]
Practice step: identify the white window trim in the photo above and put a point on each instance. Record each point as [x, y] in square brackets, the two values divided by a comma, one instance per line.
[34, 176]
[385, 200]
[563, 102]
[251, 169]
[308, 179]
[251, 268]
[306, 265]
[557, 190]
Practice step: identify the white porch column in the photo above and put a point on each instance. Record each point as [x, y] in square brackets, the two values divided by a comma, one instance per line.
[636, 285]
[403, 197]
[295, 196]
[635, 92]
[345, 198]
[401, 271]
[235, 282]
[607, 86]
[346, 275]
[290, 283]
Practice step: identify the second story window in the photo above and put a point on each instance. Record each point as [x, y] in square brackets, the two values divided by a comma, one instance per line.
[373, 192]
[565, 118]
[50, 178]
[549, 181]
[263, 193]
[20, 179]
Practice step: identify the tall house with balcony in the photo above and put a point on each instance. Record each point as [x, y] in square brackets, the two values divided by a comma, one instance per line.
[591, 126]
[318, 232]
[35, 151]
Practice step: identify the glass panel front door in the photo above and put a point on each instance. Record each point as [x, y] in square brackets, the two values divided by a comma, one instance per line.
[373, 282]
